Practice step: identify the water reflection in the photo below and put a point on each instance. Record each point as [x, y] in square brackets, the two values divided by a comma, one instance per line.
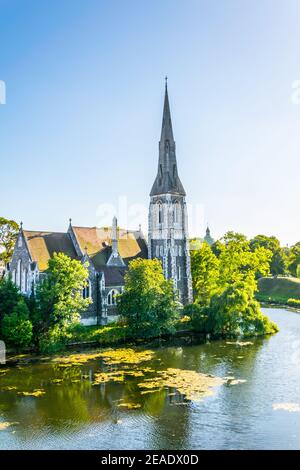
[74, 413]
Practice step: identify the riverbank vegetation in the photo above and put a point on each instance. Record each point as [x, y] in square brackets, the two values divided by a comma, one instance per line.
[229, 278]
[279, 290]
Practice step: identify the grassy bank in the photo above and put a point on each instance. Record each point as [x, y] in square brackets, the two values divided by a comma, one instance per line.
[279, 290]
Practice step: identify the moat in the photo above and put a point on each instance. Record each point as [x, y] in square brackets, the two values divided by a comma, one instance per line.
[247, 397]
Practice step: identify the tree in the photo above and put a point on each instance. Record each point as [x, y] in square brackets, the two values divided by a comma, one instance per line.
[235, 312]
[278, 263]
[232, 308]
[239, 264]
[9, 297]
[8, 235]
[16, 326]
[148, 302]
[294, 259]
[59, 300]
[205, 269]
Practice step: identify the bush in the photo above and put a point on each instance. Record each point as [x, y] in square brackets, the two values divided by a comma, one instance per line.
[294, 303]
[54, 339]
[198, 316]
[148, 302]
[16, 326]
[9, 297]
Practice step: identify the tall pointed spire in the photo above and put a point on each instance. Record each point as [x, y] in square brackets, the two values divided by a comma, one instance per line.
[166, 128]
[167, 180]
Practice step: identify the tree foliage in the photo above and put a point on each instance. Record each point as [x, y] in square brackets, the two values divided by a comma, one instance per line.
[278, 262]
[9, 297]
[8, 235]
[294, 259]
[59, 300]
[231, 309]
[16, 326]
[148, 302]
[205, 268]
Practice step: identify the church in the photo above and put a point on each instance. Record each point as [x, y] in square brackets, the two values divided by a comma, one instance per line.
[108, 250]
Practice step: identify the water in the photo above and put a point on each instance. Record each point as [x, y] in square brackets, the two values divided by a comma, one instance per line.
[74, 414]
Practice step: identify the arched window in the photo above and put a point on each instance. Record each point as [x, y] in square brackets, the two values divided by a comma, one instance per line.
[161, 250]
[19, 274]
[87, 291]
[157, 251]
[160, 214]
[25, 288]
[179, 250]
[111, 297]
[178, 273]
[177, 213]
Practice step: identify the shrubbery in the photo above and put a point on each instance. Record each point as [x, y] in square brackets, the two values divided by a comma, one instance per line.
[294, 303]
[148, 303]
[15, 324]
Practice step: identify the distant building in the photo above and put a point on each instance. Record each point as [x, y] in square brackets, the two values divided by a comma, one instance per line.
[208, 239]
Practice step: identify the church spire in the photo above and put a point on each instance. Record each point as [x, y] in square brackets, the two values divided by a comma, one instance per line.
[166, 128]
[167, 180]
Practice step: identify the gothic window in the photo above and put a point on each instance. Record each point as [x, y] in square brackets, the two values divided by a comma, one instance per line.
[26, 280]
[178, 273]
[161, 251]
[160, 213]
[177, 212]
[179, 250]
[20, 242]
[19, 274]
[157, 251]
[87, 291]
[111, 297]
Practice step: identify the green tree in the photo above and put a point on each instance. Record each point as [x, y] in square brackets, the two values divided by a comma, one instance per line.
[148, 301]
[278, 263]
[239, 264]
[236, 313]
[294, 259]
[9, 297]
[232, 308]
[205, 269]
[8, 235]
[59, 300]
[16, 326]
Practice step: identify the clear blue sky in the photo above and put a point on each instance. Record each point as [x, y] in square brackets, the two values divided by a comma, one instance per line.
[82, 120]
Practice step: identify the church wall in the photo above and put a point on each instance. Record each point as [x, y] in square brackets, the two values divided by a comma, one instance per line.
[20, 267]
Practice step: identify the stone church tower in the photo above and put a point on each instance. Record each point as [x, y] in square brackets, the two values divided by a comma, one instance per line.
[168, 221]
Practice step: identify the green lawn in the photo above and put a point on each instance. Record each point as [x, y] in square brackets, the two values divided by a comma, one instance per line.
[278, 289]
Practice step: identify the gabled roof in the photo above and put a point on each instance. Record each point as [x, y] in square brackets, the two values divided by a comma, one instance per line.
[42, 246]
[98, 241]
[114, 276]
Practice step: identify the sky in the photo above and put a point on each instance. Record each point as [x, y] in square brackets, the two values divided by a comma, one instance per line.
[81, 122]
